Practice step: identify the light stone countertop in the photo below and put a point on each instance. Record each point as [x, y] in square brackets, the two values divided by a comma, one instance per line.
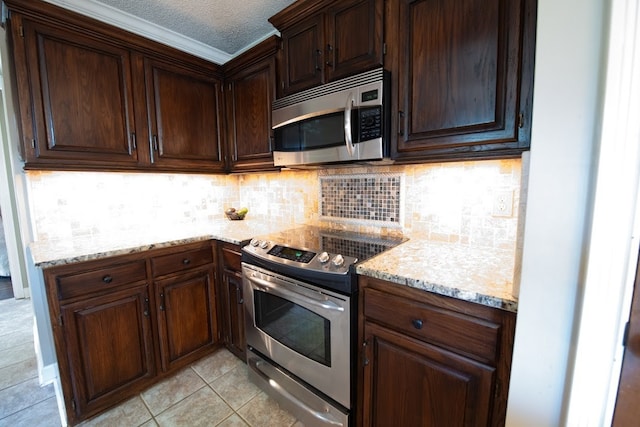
[51, 253]
[481, 275]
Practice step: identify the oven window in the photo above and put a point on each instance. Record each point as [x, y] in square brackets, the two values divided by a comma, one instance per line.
[301, 330]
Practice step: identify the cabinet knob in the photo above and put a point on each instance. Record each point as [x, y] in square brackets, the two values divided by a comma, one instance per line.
[107, 279]
[417, 323]
[186, 261]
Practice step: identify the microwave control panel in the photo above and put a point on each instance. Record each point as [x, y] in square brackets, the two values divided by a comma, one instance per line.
[370, 120]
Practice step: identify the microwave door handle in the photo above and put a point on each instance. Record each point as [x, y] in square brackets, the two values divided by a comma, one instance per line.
[347, 125]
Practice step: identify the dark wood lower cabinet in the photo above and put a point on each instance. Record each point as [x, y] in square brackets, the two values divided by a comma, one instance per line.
[428, 360]
[412, 383]
[109, 346]
[122, 323]
[232, 301]
[186, 317]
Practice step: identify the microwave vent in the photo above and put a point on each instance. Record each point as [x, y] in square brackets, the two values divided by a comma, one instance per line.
[325, 89]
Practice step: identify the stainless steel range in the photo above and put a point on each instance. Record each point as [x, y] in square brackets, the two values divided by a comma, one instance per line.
[300, 293]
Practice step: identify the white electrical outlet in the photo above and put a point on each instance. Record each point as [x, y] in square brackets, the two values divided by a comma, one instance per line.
[503, 203]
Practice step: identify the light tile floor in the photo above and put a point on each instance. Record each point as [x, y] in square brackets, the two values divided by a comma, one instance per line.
[214, 391]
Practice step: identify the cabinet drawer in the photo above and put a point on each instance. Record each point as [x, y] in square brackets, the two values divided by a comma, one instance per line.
[76, 284]
[180, 261]
[231, 258]
[458, 332]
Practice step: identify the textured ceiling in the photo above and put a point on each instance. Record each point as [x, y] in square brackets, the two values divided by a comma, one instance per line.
[227, 26]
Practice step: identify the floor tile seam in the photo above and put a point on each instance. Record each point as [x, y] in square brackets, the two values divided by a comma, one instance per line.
[12, 364]
[14, 346]
[225, 400]
[18, 331]
[144, 403]
[179, 401]
[27, 407]
[193, 368]
[30, 408]
[230, 415]
[30, 356]
[24, 380]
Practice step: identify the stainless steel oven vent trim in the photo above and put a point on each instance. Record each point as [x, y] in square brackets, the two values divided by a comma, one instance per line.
[372, 76]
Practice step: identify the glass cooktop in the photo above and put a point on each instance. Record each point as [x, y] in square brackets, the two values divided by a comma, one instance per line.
[361, 246]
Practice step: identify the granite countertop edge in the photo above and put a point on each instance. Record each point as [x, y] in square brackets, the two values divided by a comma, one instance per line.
[450, 291]
[48, 254]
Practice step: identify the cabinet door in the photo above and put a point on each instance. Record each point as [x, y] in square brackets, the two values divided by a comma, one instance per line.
[408, 382]
[459, 78]
[75, 98]
[109, 347]
[234, 313]
[249, 97]
[354, 39]
[184, 108]
[186, 317]
[303, 55]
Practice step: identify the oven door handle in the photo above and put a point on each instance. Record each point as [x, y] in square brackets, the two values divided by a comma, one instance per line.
[265, 286]
[260, 369]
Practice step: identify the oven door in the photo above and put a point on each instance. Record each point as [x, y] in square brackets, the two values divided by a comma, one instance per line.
[302, 328]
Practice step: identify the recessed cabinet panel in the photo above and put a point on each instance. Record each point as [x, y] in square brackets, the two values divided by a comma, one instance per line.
[109, 346]
[186, 317]
[231, 300]
[431, 360]
[184, 114]
[328, 40]
[91, 96]
[461, 89]
[82, 97]
[304, 55]
[355, 37]
[430, 387]
[119, 328]
[464, 73]
[252, 96]
[250, 89]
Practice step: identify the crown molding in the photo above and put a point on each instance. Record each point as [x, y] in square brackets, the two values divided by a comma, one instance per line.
[141, 27]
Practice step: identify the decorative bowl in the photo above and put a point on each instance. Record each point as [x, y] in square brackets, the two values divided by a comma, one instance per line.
[236, 215]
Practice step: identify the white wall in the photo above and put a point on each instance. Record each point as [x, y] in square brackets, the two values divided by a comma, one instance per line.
[565, 119]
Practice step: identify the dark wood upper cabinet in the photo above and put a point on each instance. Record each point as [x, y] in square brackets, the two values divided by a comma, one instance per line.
[250, 88]
[93, 97]
[303, 55]
[354, 37]
[184, 108]
[327, 40]
[463, 70]
[80, 92]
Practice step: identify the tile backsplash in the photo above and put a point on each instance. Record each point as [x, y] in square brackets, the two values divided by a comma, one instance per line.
[452, 202]
[373, 198]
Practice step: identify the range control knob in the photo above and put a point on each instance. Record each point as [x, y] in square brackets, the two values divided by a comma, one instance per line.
[254, 242]
[338, 260]
[323, 257]
[264, 244]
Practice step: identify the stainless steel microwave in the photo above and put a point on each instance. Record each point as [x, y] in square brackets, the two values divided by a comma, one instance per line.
[342, 121]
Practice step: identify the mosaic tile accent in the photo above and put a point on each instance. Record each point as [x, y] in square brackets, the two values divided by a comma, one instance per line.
[354, 248]
[363, 197]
